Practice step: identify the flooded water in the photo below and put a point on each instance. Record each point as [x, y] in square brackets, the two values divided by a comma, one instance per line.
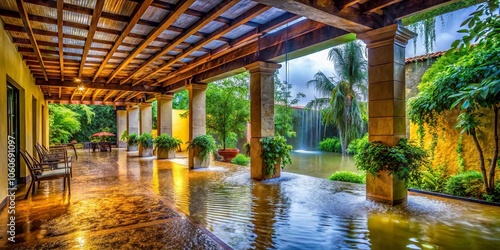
[302, 212]
[319, 164]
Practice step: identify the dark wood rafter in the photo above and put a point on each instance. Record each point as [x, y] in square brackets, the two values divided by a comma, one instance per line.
[64, 100]
[90, 35]
[85, 93]
[242, 40]
[94, 95]
[132, 96]
[342, 4]
[139, 10]
[60, 4]
[109, 94]
[202, 22]
[60, 90]
[167, 21]
[375, 5]
[121, 95]
[249, 15]
[27, 27]
[73, 94]
[101, 86]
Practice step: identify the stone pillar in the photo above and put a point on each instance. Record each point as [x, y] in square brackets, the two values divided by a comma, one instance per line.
[121, 125]
[133, 120]
[197, 114]
[386, 101]
[261, 113]
[164, 116]
[146, 121]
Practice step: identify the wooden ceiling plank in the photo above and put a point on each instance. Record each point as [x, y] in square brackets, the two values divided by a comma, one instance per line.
[109, 94]
[136, 15]
[99, 85]
[247, 16]
[167, 21]
[342, 4]
[27, 26]
[94, 95]
[60, 89]
[73, 95]
[85, 93]
[375, 5]
[131, 96]
[202, 22]
[121, 95]
[99, 5]
[60, 4]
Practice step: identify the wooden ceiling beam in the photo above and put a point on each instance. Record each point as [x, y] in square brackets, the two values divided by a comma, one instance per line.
[240, 41]
[202, 22]
[96, 102]
[375, 5]
[99, 5]
[132, 96]
[139, 10]
[73, 95]
[94, 95]
[85, 93]
[60, 89]
[109, 94]
[100, 85]
[167, 21]
[60, 34]
[121, 95]
[242, 19]
[342, 4]
[326, 11]
[409, 8]
[27, 26]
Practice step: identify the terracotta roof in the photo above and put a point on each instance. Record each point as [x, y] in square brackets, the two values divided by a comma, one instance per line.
[424, 57]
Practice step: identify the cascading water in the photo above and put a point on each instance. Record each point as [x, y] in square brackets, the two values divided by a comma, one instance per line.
[310, 131]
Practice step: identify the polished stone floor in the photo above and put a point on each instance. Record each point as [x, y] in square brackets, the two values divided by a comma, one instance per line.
[106, 210]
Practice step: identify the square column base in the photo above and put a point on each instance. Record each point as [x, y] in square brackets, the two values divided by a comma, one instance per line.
[385, 188]
[195, 161]
[145, 152]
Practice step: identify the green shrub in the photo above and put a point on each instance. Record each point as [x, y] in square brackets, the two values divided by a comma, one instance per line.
[133, 140]
[347, 176]
[495, 197]
[205, 144]
[167, 142]
[331, 145]
[357, 145]
[241, 159]
[432, 179]
[465, 184]
[146, 140]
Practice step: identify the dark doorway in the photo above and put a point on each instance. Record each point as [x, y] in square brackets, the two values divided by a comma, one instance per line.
[13, 125]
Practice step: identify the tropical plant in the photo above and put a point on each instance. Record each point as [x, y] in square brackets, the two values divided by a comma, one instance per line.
[167, 142]
[228, 109]
[283, 111]
[94, 118]
[63, 123]
[124, 135]
[432, 179]
[275, 152]
[347, 176]
[356, 145]
[241, 159]
[465, 184]
[132, 140]
[181, 100]
[146, 140]
[330, 145]
[205, 144]
[403, 160]
[341, 94]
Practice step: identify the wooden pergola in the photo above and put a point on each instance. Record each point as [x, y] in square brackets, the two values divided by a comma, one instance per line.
[120, 52]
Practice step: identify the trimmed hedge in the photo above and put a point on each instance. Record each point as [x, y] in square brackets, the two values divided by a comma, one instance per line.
[347, 176]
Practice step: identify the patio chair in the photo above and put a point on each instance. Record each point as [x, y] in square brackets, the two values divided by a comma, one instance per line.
[56, 157]
[39, 173]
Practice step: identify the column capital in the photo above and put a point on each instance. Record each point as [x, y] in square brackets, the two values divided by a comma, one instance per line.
[200, 86]
[392, 34]
[132, 107]
[164, 97]
[260, 66]
[145, 104]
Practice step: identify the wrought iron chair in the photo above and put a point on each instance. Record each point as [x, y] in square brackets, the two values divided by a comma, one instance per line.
[39, 173]
[56, 157]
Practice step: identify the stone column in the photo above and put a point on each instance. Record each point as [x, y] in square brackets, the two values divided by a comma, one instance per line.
[197, 114]
[121, 125]
[164, 116]
[146, 121]
[386, 101]
[133, 120]
[261, 113]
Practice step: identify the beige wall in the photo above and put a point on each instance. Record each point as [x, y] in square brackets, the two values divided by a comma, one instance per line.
[15, 71]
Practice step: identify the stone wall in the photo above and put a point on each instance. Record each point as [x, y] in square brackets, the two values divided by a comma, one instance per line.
[448, 137]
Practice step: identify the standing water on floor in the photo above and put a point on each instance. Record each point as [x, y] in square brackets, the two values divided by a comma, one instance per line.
[302, 212]
[319, 164]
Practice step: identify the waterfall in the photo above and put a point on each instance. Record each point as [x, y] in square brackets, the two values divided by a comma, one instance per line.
[307, 125]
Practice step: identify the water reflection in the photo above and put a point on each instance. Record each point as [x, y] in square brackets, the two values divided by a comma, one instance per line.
[301, 212]
[319, 164]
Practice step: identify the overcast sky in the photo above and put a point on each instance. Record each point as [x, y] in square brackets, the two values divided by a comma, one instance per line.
[302, 69]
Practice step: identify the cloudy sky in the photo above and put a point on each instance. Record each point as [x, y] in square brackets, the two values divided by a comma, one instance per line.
[302, 69]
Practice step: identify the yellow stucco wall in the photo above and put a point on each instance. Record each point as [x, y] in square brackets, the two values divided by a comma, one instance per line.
[446, 149]
[15, 71]
[180, 127]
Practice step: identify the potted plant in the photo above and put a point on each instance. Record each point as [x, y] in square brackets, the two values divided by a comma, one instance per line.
[146, 145]
[275, 155]
[201, 147]
[123, 138]
[166, 146]
[389, 169]
[132, 142]
[228, 113]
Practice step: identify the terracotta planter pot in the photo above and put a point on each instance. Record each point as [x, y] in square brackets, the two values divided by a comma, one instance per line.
[228, 154]
[145, 152]
[163, 153]
[385, 188]
[132, 148]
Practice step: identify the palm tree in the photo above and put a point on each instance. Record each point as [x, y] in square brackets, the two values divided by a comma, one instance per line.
[340, 95]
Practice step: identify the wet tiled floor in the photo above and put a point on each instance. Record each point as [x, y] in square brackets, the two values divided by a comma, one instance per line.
[106, 210]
